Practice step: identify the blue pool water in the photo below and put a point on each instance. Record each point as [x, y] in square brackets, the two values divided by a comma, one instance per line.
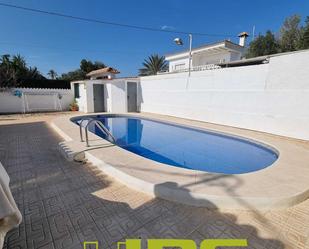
[186, 147]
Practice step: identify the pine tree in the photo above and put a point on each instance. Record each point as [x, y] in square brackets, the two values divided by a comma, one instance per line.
[263, 45]
[290, 34]
[305, 35]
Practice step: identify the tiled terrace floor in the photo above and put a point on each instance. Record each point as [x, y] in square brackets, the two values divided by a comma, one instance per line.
[65, 203]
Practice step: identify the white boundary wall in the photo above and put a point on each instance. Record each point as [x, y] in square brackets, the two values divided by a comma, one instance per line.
[271, 97]
[37, 101]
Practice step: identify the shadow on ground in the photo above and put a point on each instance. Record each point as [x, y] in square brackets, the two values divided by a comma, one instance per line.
[65, 203]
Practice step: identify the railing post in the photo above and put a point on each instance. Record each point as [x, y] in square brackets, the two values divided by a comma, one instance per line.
[81, 132]
[81, 127]
[100, 126]
[86, 134]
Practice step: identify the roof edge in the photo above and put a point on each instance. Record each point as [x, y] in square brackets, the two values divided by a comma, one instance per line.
[205, 46]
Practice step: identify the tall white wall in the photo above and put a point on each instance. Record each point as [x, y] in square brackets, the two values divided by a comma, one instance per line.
[108, 97]
[119, 97]
[89, 97]
[37, 102]
[271, 97]
[82, 100]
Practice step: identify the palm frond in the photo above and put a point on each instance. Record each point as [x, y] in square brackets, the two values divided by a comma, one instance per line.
[152, 65]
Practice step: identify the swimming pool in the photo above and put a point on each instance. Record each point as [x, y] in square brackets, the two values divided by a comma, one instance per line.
[185, 147]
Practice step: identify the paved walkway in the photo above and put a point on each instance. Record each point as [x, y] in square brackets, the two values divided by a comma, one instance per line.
[65, 203]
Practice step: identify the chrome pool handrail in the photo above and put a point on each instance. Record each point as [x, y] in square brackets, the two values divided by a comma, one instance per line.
[80, 127]
[101, 127]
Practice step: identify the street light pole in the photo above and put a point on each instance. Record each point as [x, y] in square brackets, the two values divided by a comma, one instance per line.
[190, 53]
[178, 41]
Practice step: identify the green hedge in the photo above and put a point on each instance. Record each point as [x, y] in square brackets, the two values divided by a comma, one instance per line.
[45, 83]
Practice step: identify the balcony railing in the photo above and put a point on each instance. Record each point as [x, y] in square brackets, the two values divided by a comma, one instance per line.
[193, 69]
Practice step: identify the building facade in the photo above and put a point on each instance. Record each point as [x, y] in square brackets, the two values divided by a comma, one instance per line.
[103, 92]
[208, 55]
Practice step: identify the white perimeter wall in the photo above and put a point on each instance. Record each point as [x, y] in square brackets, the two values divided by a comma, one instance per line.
[271, 97]
[13, 104]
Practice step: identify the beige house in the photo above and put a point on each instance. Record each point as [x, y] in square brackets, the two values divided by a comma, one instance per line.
[208, 55]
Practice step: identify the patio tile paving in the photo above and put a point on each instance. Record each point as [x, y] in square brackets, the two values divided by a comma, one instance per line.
[65, 203]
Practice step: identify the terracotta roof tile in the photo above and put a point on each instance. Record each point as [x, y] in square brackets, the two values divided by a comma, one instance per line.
[103, 70]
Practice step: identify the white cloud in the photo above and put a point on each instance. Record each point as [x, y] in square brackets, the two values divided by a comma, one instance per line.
[167, 27]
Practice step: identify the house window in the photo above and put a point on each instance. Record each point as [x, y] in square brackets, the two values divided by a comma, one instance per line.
[102, 77]
[76, 91]
[180, 66]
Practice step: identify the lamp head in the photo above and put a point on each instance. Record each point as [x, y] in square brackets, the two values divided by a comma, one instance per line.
[178, 41]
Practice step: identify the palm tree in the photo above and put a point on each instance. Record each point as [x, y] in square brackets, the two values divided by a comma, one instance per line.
[7, 75]
[19, 67]
[5, 59]
[18, 61]
[5, 63]
[52, 74]
[34, 73]
[14, 70]
[153, 65]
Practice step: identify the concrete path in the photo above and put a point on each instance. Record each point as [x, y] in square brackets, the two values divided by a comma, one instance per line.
[65, 203]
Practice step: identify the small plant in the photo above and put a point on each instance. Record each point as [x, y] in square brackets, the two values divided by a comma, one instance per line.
[74, 106]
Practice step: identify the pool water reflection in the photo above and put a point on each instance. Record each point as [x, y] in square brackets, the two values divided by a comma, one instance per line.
[185, 147]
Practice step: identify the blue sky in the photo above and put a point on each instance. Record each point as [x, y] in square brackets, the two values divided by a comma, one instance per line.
[50, 42]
